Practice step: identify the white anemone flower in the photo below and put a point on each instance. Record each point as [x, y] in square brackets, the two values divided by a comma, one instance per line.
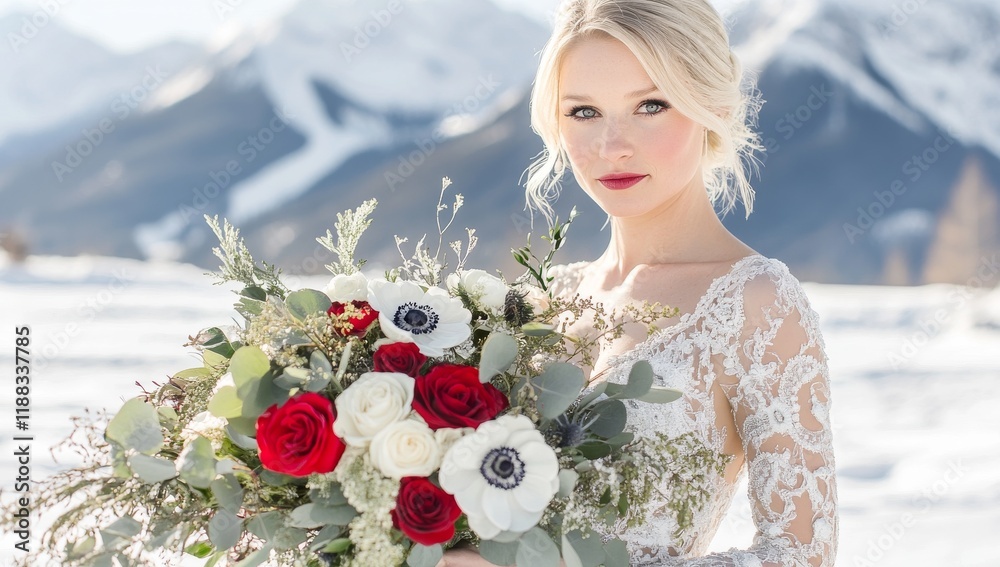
[432, 319]
[503, 476]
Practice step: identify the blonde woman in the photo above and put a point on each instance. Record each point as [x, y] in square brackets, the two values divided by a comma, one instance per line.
[641, 100]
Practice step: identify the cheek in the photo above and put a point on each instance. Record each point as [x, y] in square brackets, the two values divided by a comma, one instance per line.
[579, 144]
[671, 147]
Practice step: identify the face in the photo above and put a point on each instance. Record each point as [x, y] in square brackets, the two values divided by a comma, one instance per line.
[614, 123]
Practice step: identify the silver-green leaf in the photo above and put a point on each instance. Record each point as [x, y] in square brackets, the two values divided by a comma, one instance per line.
[557, 388]
[136, 426]
[499, 352]
[152, 469]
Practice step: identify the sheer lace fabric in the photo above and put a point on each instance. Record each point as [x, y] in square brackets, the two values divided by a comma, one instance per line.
[754, 340]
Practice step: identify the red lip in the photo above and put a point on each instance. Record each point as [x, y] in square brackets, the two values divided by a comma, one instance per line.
[617, 181]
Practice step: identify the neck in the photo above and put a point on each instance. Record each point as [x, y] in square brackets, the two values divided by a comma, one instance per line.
[685, 229]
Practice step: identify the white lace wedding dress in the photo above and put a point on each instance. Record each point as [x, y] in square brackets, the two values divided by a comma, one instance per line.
[753, 333]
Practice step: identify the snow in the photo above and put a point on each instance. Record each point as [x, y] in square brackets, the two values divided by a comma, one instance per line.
[917, 434]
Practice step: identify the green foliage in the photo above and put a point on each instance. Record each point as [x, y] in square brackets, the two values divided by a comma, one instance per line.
[350, 226]
[538, 268]
[238, 264]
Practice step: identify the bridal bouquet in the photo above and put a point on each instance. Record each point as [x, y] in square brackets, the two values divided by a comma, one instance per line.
[376, 422]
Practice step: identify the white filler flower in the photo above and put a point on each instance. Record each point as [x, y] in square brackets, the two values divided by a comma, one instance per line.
[369, 405]
[432, 319]
[503, 476]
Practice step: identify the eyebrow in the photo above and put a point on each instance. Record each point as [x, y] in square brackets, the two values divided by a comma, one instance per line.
[633, 94]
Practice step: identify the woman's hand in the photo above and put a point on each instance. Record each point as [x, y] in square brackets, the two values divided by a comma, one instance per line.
[463, 557]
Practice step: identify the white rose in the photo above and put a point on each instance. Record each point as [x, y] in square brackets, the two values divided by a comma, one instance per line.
[488, 290]
[448, 436]
[535, 297]
[369, 405]
[405, 448]
[224, 380]
[348, 288]
[206, 425]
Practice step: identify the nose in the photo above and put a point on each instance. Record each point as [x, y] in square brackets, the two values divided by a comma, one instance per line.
[613, 143]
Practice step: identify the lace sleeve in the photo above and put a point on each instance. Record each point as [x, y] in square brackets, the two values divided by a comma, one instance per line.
[776, 380]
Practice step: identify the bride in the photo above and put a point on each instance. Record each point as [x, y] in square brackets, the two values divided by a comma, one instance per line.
[641, 100]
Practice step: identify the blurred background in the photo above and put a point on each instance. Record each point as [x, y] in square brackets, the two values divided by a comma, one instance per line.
[122, 123]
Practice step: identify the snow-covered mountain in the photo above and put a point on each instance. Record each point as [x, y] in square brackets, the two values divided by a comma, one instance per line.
[875, 115]
[50, 77]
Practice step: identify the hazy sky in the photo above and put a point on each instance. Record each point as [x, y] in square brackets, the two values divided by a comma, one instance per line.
[130, 25]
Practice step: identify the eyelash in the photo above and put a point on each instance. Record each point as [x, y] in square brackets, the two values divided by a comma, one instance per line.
[663, 104]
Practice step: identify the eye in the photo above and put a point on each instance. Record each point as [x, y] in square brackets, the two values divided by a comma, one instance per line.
[582, 113]
[651, 107]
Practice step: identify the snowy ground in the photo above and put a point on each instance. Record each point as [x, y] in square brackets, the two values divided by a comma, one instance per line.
[915, 384]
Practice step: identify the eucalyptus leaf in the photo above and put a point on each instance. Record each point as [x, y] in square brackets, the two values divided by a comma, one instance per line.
[257, 557]
[248, 364]
[125, 527]
[306, 302]
[338, 545]
[536, 329]
[640, 380]
[611, 417]
[334, 496]
[318, 362]
[262, 394]
[661, 395]
[254, 292]
[594, 449]
[196, 463]
[588, 547]
[424, 555]
[314, 515]
[593, 394]
[240, 440]
[213, 360]
[136, 426]
[324, 536]
[199, 372]
[537, 550]
[499, 553]
[569, 555]
[289, 537]
[617, 554]
[226, 403]
[247, 427]
[152, 469]
[80, 547]
[214, 339]
[499, 352]
[228, 492]
[557, 388]
[622, 439]
[224, 529]
[266, 525]
[567, 482]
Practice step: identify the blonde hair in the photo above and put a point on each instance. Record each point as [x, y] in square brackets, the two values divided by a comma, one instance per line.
[684, 48]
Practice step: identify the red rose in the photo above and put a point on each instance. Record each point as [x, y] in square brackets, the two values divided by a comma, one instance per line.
[360, 316]
[296, 438]
[399, 357]
[424, 512]
[451, 395]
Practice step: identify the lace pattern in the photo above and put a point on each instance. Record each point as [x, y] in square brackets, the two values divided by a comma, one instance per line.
[754, 339]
